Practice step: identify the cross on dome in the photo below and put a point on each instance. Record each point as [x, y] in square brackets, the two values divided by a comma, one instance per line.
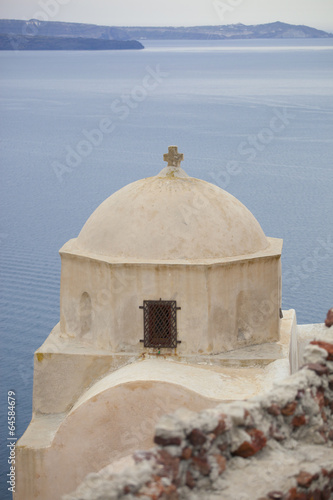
[173, 157]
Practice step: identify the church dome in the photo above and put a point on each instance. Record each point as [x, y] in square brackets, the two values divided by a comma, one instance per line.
[169, 217]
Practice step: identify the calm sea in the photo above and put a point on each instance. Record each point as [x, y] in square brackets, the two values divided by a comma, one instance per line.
[254, 117]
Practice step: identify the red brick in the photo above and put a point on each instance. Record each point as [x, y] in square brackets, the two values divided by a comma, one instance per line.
[274, 410]
[305, 479]
[329, 318]
[245, 450]
[248, 449]
[221, 426]
[167, 441]
[186, 453]
[289, 409]
[298, 420]
[258, 437]
[197, 437]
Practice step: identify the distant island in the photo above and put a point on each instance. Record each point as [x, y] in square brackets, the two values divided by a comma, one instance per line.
[30, 42]
[225, 32]
[50, 35]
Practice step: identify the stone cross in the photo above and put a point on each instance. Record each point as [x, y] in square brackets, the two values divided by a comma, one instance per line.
[173, 157]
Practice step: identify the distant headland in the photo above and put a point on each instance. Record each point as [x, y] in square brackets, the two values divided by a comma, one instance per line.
[224, 32]
[50, 35]
[29, 42]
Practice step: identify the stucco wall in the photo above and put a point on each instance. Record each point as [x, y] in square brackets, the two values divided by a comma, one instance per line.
[276, 446]
[103, 429]
[100, 406]
[235, 304]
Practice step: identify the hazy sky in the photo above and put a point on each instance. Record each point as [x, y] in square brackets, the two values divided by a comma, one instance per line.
[315, 13]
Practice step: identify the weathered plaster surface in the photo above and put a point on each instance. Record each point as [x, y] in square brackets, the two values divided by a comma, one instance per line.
[275, 446]
[65, 368]
[224, 305]
[168, 217]
[82, 394]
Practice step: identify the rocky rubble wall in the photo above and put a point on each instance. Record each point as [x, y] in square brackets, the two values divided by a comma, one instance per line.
[275, 446]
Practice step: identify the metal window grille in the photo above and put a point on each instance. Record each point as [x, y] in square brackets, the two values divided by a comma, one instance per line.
[160, 323]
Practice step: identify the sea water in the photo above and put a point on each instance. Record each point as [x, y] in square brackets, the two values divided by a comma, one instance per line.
[254, 117]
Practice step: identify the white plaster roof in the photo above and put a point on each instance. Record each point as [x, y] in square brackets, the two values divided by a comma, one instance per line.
[220, 383]
[171, 216]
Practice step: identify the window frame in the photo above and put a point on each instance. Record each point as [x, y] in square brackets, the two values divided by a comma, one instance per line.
[152, 314]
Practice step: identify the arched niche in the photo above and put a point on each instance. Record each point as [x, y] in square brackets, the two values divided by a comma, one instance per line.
[85, 314]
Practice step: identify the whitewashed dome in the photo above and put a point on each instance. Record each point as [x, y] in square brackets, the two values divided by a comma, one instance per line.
[169, 217]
